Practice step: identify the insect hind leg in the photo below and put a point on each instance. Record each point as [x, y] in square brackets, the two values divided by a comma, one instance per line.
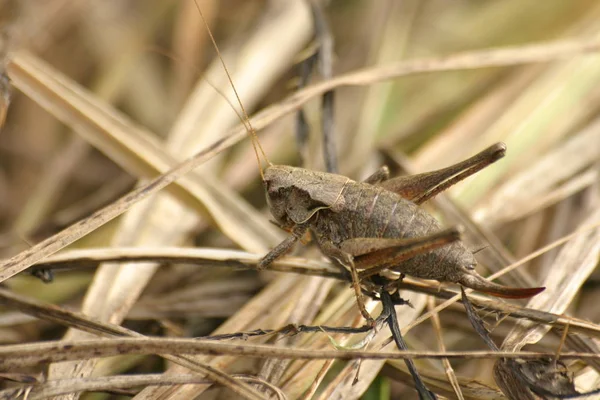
[389, 252]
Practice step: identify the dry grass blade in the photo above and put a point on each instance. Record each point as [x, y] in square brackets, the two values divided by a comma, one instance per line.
[585, 230]
[513, 71]
[137, 151]
[576, 184]
[203, 116]
[576, 261]
[473, 60]
[344, 384]
[99, 124]
[472, 389]
[577, 153]
[80, 229]
[25, 259]
[238, 259]
[114, 383]
[100, 384]
[74, 320]
[390, 38]
[73, 259]
[19, 356]
[58, 315]
[248, 317]
[435, 320]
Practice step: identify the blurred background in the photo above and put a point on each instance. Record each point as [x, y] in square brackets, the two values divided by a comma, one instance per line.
[151, 64]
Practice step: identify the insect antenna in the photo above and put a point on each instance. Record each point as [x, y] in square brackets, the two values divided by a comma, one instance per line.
[246, 119]
[480, 249]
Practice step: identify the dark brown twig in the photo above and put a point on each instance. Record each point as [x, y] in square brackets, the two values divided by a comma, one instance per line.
[323, 59]
[388, 303]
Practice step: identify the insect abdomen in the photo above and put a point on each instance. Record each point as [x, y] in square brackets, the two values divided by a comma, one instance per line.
[374, 212]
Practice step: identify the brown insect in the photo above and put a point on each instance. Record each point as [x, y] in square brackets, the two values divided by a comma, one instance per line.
[376, 224]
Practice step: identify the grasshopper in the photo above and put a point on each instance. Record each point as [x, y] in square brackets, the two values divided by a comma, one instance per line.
[377, 224]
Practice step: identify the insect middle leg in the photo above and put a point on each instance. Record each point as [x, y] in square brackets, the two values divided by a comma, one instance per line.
[347, 260]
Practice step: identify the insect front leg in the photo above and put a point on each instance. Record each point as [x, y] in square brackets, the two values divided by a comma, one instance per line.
[347, 260]
[297, 233]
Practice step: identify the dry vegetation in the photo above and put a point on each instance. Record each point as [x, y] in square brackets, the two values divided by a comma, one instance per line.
[105, 94]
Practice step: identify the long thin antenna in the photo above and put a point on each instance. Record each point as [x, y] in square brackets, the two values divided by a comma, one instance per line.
[246, 119]
[177, 58]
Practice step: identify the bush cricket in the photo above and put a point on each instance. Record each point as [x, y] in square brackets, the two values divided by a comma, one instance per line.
[376, 224]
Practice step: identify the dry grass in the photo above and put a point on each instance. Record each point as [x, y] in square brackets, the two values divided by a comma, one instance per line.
[108, 93]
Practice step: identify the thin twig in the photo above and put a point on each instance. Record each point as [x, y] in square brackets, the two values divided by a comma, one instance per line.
[437, 327]
[424, 392]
